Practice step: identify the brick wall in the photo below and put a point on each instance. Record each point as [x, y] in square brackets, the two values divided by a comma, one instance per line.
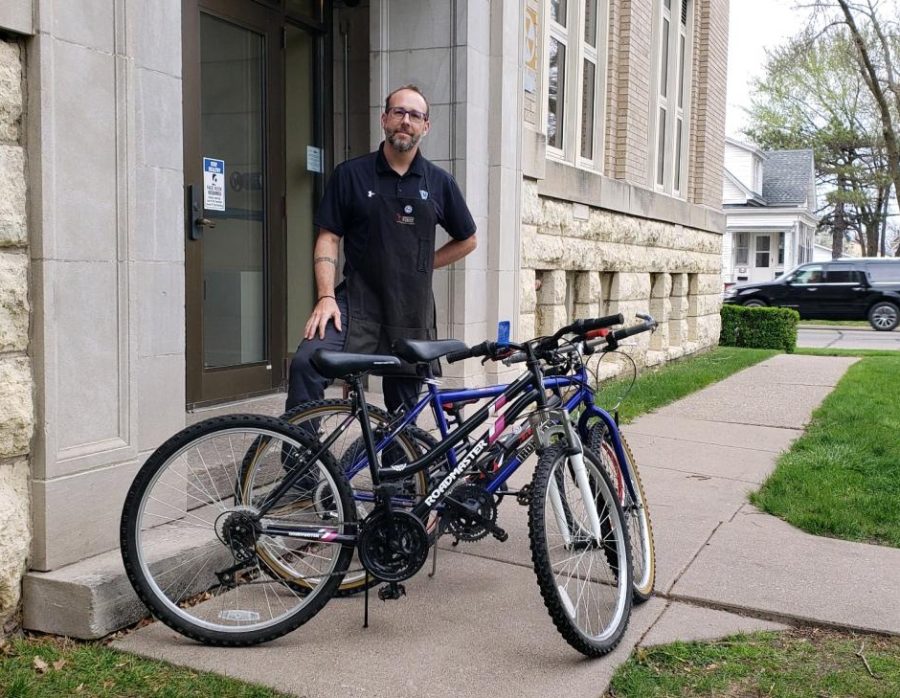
[708, 102]
[16, 407]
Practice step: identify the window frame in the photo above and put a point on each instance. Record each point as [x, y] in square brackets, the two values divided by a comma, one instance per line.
[578, 50]
[665, 145]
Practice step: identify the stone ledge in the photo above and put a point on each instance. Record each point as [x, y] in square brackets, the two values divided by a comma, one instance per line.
[92, 598]
[87, 600]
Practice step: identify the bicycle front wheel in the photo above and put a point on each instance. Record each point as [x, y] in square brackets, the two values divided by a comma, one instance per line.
[637, 512]
[194, 544]
[585, 580]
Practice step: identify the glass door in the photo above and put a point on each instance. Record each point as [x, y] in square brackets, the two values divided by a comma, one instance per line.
[234, 182]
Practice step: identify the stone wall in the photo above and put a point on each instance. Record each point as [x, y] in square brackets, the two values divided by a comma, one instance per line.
[16, 407]
[580, 261]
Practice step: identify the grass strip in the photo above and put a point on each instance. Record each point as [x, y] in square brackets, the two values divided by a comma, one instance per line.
[842, 477]
[847, 352]
[655, 388]
[799, 663]
[38, 667]
[834, 323]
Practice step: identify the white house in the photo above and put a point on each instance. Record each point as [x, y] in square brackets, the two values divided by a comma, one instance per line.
[769, 199]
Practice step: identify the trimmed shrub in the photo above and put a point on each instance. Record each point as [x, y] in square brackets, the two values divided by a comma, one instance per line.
[760, 328]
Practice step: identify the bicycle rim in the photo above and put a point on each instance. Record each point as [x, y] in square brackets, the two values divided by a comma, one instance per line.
[585, 583]
[228, 584]
[637, 513]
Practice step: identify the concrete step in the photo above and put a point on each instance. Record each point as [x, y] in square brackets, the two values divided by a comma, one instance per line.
[87, 600]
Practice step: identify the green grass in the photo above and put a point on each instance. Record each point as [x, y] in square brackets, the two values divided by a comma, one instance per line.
[837, 323]
[847, 352]
[842, 477]
[792, 664]
[658, 387]
[52, 667]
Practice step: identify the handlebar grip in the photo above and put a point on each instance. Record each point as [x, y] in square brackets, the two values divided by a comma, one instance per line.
[515, 358]
[482, 349]
[598, 323]
[455, 356]
[625, 332]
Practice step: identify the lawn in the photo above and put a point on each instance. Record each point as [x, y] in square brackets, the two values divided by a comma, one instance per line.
[658, 387]
[836, 323]
[801, 663]
[842, 477]
[33, 667]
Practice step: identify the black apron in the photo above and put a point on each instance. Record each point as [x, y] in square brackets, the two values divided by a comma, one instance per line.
[389, 292]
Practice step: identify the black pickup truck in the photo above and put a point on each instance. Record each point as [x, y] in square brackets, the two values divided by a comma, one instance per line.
[842, 289]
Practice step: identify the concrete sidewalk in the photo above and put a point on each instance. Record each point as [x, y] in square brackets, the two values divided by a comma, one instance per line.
[722, 567]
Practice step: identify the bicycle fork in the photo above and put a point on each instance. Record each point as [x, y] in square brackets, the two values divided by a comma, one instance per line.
[575, 453]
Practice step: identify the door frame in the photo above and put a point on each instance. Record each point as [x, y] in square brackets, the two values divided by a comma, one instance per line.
[208, 385]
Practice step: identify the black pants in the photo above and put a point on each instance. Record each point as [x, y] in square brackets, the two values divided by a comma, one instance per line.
[306, 383]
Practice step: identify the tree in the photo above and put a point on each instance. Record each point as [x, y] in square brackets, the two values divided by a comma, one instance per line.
[876, 43]
[811, 97]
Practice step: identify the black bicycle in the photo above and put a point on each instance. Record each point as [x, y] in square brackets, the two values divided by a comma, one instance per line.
[266, 524]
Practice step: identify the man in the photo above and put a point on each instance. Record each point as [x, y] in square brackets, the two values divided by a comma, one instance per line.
[385, 206]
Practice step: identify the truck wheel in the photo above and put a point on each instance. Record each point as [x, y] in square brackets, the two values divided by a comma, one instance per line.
[883, 316]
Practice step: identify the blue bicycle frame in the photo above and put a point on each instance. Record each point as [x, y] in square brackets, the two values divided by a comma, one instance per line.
[438, 398]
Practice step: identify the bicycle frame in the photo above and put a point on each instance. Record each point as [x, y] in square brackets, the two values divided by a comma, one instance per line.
[515, 397]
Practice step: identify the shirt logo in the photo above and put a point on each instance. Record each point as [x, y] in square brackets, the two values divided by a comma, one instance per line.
[423, 194]
[371, 193]
[407, 209]
[405, 220]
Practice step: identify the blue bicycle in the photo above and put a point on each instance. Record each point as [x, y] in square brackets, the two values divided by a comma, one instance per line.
[399, 440]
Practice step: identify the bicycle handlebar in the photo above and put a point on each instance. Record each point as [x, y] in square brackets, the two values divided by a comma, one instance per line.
[608, 342]
[483, 349]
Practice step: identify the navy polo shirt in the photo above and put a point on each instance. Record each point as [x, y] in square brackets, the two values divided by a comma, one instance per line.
[345, 205]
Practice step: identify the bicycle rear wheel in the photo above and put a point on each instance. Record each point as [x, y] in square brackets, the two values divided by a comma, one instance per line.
[321, 419]
[191, 536]
[637, 512]
[585, 583]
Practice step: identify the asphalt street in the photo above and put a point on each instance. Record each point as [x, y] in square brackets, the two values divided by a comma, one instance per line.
[847, 338]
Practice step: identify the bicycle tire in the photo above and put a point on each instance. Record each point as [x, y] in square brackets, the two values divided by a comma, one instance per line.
[607, 587]
[637, 514]
[413, 443]
[188, 492]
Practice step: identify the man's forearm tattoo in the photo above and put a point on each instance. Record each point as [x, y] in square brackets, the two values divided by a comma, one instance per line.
[330, 260]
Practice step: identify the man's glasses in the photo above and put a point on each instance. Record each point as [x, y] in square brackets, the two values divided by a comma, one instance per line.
[415, 116]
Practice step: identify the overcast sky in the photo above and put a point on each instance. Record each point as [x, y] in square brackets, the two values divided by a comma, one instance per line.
[755, 25]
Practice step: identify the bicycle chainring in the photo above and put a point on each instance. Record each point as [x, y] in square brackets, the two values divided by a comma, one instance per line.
[392, 546]
[467, 528]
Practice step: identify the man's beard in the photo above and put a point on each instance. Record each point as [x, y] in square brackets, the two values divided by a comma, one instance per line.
[402, 146]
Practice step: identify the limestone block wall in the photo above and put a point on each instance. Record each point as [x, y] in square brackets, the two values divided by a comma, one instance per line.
[579, 261]
[16, 407]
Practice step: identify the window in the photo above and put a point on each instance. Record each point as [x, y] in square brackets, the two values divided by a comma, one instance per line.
[812, 274]
[672, 51]
[841, 274]
[763, 250]
[781, 248]
[742, 248]
[884, 272]
[576, 76]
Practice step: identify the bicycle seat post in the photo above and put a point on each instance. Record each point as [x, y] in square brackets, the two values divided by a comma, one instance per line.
[358, 400]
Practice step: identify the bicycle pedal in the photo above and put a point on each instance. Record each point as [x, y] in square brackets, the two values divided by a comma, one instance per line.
[391, 592]
[499, 534]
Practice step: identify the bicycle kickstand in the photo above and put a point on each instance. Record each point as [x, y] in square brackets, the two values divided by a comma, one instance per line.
[366, 603]
[433, 560]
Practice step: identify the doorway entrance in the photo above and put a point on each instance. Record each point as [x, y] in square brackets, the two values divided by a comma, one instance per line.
[249, 70]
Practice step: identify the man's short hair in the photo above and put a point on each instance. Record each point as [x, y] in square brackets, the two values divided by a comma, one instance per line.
[412, 88]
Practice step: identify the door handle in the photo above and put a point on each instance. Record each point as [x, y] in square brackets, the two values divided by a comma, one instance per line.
[812, 289]
[194, 220]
